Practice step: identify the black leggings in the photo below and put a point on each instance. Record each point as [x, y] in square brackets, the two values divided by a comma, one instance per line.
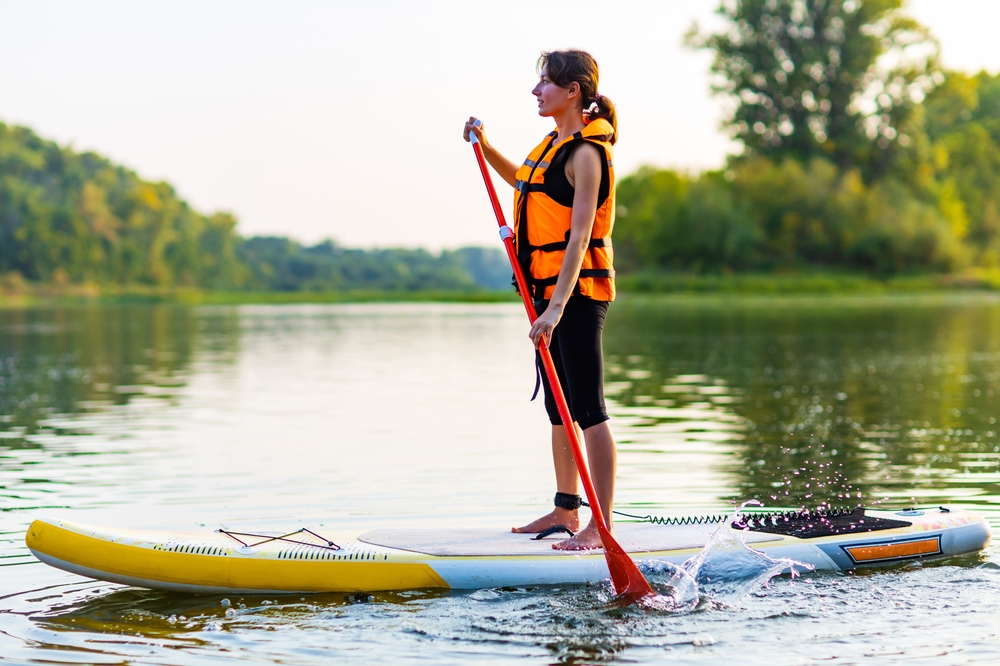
[579, 360]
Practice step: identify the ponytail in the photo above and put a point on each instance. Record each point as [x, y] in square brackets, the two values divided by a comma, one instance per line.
[602, 107]
[573, 65]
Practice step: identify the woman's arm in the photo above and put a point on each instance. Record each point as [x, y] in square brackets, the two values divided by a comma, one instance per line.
[503, 166]
[584, 168]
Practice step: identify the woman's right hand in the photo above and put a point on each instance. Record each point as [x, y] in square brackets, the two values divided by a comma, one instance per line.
[504, 167]
[480, 134]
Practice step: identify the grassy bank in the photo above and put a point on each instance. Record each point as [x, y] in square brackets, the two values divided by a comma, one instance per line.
[48, 295]
[802, 283]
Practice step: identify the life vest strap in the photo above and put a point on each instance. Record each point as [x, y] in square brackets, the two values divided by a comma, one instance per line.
[584, 273]
[523, 186]
[559, 246]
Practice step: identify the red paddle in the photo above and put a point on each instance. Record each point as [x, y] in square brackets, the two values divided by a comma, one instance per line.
[625, 575]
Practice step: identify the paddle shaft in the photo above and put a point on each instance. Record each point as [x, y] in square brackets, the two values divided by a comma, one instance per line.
[624, 573]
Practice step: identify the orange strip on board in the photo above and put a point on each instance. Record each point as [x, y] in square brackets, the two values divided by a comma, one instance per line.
[893, 550]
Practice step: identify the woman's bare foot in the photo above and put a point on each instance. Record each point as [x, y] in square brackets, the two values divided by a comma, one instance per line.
[565, 517]
[587, 539]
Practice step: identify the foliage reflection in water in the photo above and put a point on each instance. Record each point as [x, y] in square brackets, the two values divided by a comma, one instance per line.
[837, 403]
[367, 416]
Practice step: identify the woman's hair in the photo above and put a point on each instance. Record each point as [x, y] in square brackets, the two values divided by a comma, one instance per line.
[565, 67]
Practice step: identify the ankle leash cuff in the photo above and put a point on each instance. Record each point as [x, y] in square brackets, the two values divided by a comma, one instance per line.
[567, 501]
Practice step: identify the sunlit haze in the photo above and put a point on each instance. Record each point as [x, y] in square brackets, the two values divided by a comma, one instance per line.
[343, 119]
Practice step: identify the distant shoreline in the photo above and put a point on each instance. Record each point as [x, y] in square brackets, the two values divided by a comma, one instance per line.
[47, 296]
[634, 284]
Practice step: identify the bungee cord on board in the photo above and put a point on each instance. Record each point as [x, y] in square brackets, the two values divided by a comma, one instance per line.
[266, 538]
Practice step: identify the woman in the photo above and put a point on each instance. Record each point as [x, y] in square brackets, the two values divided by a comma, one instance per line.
[564, 213]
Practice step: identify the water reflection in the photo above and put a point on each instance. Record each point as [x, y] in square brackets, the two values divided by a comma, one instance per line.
[75, 385]
[831, 402]
[667, 424]
[366, 416]
[792, 402]
[57, 362]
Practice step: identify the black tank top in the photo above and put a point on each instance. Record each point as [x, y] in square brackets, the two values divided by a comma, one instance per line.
[557, 185]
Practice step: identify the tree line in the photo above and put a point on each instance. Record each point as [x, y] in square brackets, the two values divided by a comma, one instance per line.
[859, 152]
[281, 264]
[68, 217]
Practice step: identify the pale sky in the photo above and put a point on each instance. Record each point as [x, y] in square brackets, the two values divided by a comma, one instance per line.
[343, 119]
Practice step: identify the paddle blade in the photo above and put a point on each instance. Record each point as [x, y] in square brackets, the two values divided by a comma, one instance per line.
[628, 580]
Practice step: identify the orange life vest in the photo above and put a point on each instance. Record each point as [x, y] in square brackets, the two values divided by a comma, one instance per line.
[543, 215]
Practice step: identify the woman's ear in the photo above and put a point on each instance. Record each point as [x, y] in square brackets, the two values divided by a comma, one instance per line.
[573, 90]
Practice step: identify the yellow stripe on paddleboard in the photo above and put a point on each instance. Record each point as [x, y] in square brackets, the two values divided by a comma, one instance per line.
[230, 571]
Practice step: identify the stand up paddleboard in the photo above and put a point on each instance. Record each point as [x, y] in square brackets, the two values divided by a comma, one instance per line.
[318, 561]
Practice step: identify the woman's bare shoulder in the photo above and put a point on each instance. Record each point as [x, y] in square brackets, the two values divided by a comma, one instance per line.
[585, 161]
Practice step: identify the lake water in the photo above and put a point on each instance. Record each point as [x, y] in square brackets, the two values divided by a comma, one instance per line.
[363, 416]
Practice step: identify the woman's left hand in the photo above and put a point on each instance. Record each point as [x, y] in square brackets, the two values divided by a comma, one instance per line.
[541, 330]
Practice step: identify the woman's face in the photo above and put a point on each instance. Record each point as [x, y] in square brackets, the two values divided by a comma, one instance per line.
[554, 99]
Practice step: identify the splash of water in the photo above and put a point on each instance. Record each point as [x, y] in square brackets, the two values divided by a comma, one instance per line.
[676, 589]
[726, 569]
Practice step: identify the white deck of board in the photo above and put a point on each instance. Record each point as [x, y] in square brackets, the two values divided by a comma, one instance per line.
[634, 538]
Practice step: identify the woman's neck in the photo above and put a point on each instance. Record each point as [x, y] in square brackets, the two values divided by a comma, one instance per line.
[568, 122]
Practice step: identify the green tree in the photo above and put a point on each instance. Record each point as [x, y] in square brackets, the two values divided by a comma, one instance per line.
[962, 124]
[77, 217]
[667, 219]
[785, 215]
[834, 78]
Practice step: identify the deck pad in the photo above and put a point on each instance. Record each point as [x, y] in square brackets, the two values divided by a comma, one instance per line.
[633, 537]
[813, 524]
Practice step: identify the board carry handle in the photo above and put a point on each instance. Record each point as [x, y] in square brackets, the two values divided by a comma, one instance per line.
[628, 580]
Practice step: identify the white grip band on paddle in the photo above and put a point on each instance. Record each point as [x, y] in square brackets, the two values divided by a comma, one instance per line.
[473, 139]
[506, 232]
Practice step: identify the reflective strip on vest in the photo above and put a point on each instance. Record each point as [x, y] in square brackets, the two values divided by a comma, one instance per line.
[523, 186]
